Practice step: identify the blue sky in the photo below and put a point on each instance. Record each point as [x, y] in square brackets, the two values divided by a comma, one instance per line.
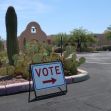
[56, 16]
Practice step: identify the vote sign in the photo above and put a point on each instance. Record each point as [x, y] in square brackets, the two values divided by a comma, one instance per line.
[47, 75]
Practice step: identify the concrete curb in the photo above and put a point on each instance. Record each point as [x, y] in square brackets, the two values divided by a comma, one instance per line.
[77, 78]
[23, 87]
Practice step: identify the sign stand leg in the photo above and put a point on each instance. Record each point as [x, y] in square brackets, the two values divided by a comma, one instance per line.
[60, 89]
[35, 92]
[29, 97]
[61, 92]
[29, 87]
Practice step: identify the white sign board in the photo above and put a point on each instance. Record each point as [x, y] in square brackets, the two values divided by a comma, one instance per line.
[47, 75]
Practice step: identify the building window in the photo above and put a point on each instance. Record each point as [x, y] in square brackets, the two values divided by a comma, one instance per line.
[33, 30]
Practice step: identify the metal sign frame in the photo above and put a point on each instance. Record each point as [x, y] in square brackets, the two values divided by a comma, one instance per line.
[61, 92]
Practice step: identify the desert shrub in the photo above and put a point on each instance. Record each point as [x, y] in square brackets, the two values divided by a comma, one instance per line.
[33, 53]
[88, 49]
[70, 61]
[3, 58]
[58, 50]
[10, 70]
[3, 71]
[7, 70]
[104, 48]
[39, 53]
[99, 49]
[21, 64]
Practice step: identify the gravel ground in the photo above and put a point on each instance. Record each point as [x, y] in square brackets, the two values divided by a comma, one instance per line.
[6, 80]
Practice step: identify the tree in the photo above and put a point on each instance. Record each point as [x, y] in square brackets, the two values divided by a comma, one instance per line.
[11, 28]
[57, 39]
[107, 33]
[1, 44]
[82, 38]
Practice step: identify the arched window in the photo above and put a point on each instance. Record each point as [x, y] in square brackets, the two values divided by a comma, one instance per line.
[33, 30]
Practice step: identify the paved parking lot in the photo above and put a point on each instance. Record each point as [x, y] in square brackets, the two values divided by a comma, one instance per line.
[98, 58]
[91, 95]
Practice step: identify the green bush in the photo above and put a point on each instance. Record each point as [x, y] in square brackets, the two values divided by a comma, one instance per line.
[58, 50]
[88, 49]
[33, 53]
[71, 63]
[10, 70]
[7, 70]
[104, 48]
[3, 71]
[3, 58]
[39, 53]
